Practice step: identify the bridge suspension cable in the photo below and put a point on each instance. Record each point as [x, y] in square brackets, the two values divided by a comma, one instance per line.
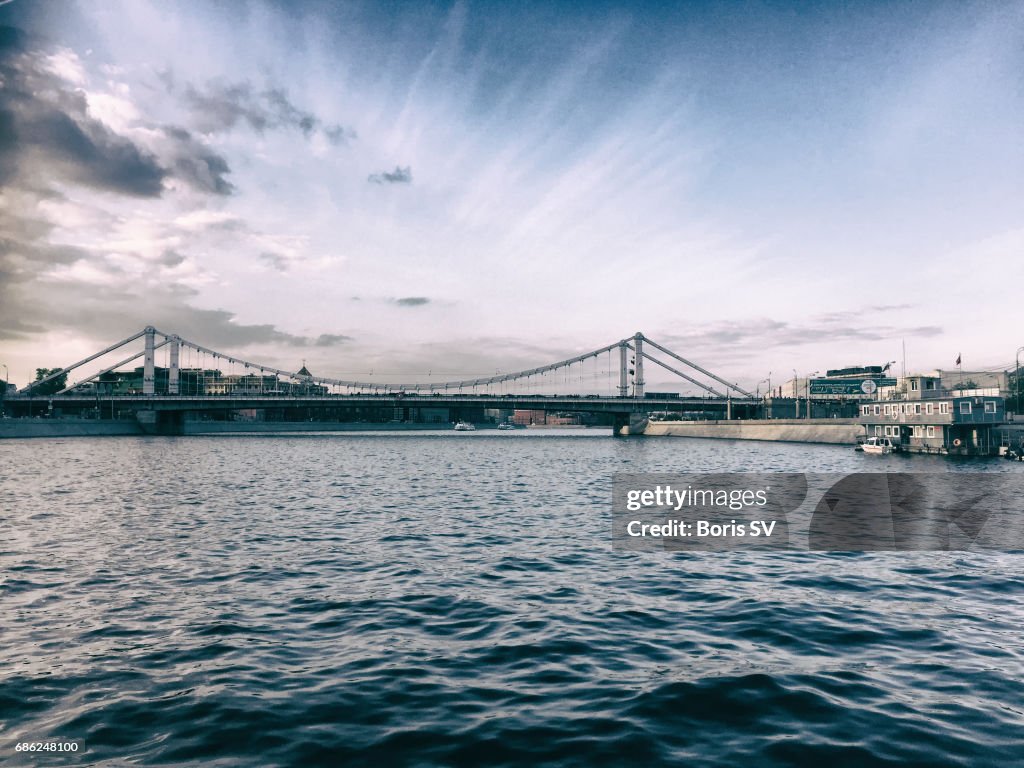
[531, 378]
[696, 367]
[80, 363]
[667, 367]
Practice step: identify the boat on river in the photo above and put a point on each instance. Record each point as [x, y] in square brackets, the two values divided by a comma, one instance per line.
[879, 445]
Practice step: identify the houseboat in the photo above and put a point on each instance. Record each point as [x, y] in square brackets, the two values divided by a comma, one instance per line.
[922, 417]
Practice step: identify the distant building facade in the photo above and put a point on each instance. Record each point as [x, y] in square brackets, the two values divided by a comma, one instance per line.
[206, 382]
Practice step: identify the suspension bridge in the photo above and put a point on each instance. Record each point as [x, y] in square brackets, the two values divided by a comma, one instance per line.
[197, 381]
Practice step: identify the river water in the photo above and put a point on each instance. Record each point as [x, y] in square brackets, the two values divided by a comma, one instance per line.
[453, 599]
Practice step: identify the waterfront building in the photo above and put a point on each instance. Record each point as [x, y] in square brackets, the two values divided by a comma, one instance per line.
[924, 417]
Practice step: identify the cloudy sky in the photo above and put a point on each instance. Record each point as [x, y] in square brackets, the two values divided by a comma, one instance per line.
[404, 187]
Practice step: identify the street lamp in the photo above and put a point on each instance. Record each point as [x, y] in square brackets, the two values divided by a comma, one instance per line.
[807, 391]
[757, 392]
[796, 398]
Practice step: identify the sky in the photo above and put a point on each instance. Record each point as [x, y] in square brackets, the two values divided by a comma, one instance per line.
[477, 187]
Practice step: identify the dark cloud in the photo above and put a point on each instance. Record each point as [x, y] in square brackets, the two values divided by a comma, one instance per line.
[171, 258]
[274, 261]
[87, 152]
[331, 340]
[47, 134]
[47, 137]
[196, 164]
[412, 301]
[224, 106]
[397, 176]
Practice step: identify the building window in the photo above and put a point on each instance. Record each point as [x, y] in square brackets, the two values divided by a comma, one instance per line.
[929, 409]
[931, 431]
[918, 432]
[990, 406]
[965, 407]
[876, 410]
[865, 409]
[878, 430]
[943, 407]
[887, 409]
[917, 409]
[913, 385]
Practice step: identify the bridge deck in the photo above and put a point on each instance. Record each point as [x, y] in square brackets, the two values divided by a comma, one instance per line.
[579, 403]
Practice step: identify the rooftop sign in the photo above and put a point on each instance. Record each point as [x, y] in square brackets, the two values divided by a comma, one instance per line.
[849, 386]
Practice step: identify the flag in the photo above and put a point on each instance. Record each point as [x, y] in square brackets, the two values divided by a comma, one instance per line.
[958, 358]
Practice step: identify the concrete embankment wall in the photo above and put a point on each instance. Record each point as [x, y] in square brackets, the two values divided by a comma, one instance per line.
[12, 428]
[232, 427]
[21, 428]
[838, 431]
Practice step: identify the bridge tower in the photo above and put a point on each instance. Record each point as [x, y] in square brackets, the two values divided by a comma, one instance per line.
[623, 369]
[148, 377]
[173, 374]
[638, 380]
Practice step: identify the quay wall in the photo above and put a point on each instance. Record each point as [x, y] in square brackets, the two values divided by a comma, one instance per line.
[235, 427]
[835, 431]
[15, 428]
[70, 427]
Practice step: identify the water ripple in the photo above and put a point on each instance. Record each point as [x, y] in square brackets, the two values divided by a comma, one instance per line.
[423, 600]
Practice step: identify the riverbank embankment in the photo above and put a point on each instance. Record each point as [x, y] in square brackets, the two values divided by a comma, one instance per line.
[834, 431]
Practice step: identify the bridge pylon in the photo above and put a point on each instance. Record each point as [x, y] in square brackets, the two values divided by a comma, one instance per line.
[638, 377]
[173, 373]
[148, 373]
[623, 369]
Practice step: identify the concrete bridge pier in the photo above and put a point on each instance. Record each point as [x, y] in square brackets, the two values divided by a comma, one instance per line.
[161, 422]
[628, 424]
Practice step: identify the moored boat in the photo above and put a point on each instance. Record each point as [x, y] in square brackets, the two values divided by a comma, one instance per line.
[879, 445]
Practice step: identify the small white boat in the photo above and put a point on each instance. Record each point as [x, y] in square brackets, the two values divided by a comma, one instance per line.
[506, 425]
[464, 426]
[879, 445]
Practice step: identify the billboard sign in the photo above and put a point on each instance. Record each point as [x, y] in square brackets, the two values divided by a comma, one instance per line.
[849, 386]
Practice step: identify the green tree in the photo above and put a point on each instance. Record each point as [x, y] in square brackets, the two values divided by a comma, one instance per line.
[54, 385]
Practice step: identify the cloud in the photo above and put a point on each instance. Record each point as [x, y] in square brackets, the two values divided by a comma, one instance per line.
[411, 301]
[197, 165]
[171, 258]
[397, 176]
[331, 340]
[75, 264]
[48, 134]
[224, 106]
[274, 261]
[834, 328]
